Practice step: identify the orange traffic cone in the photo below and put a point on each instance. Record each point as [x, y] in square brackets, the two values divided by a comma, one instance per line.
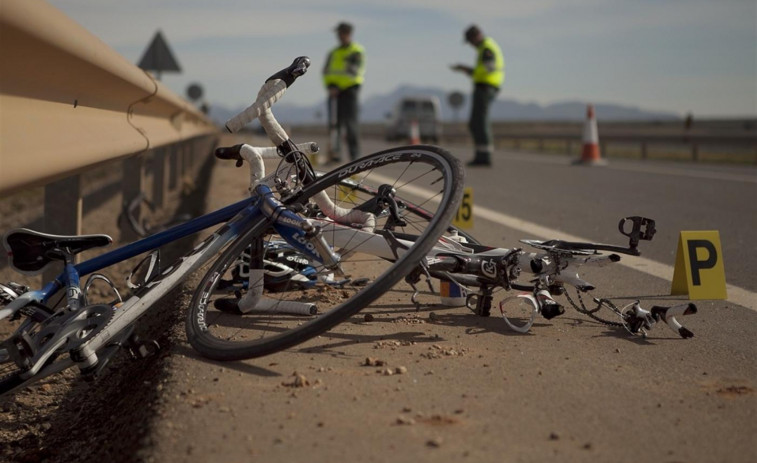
[415, 133]
[590, 154]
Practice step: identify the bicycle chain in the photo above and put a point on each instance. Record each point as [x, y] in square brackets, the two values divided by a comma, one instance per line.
[590, 313]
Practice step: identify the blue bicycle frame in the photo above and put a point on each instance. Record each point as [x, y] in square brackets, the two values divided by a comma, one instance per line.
[251, 215]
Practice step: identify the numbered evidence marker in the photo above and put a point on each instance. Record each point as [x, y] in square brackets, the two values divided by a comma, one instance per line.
[699, 270]
[464, 216]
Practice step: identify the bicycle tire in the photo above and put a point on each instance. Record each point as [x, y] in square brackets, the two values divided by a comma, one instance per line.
[9, 372]
[217, 335]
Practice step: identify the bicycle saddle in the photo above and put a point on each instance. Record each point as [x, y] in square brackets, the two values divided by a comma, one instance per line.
[30, 251]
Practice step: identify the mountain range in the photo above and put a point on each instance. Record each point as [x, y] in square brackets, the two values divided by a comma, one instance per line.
[375, 109]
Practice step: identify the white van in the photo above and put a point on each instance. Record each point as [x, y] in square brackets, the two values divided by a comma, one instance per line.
[423, 109]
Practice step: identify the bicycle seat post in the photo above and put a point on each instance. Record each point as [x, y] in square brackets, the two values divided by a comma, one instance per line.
[70, 277]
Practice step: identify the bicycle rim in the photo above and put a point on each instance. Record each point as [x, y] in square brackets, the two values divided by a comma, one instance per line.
[429, 176]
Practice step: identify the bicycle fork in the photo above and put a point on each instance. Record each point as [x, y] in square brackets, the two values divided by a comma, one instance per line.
[298, 232]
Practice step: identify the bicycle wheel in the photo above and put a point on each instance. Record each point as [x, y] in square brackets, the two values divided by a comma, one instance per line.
[428, 175]
[356, 194]
[28, 322]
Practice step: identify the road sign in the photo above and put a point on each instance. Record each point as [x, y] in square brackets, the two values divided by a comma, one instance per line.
[456, 100]
[158, 57]
[194, 92]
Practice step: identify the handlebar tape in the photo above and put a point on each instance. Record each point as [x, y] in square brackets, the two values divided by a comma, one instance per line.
[273, 89]
[668, 315]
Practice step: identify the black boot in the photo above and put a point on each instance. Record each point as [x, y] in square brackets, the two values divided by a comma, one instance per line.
[481, 159]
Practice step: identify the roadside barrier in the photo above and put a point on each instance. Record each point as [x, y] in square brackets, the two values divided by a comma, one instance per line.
[69, 102]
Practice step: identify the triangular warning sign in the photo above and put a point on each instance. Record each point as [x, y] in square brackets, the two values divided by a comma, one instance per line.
[158, 56]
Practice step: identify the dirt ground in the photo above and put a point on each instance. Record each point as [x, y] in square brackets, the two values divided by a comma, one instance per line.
[395, 384]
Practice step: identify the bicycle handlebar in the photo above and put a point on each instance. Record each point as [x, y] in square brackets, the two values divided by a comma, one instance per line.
[273, 89]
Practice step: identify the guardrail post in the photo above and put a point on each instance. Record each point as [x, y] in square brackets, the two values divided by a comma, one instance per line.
[63, 211]
[131, 186]
[185, 150]
[173, 167]
[191, 152]
[159, 177]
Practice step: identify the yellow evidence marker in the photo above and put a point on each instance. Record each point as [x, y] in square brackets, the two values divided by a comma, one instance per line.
[699, 270]
[464, 216]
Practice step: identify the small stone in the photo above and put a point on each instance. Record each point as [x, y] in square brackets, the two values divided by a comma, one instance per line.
[405, 421]
[436, 442]
[387, 372]
[368, 317]
[553, 436]
[298, 381]
[400, 370]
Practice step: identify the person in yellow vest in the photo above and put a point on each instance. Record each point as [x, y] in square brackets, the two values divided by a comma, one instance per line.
[488, 76]
[342, 76]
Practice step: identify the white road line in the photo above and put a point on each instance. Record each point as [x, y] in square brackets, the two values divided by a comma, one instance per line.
[749, 177]
[737, 295]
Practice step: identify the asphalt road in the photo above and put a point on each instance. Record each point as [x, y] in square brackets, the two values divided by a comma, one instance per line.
[588, 202]
[473, 390]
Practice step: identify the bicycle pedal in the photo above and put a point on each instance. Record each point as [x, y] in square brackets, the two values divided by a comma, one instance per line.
[144, 349]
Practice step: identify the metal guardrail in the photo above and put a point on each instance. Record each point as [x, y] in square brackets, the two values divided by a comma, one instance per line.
[68, 101]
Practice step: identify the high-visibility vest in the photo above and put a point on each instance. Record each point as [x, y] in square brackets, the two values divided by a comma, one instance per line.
[481, 75]
[337, 72]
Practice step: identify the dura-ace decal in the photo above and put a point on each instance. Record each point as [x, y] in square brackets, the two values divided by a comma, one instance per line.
[371, 163]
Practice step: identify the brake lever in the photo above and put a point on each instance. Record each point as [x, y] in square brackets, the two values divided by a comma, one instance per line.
[298, 67]
[230, 153]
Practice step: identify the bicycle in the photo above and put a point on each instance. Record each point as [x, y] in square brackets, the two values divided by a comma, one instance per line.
[292, 204]
[459, 259]
[483, 270]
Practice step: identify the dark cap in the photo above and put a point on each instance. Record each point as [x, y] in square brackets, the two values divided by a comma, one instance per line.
[471, 33]
[344, 27]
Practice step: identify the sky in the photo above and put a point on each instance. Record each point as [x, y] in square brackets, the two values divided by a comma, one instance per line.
[697, 56]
